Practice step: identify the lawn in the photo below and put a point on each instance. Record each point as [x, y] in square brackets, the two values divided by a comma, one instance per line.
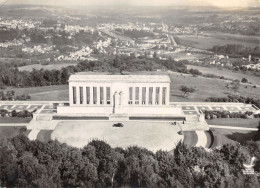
[44, 135]
[151, 135]
[225, 135]
[14, 120]
[220, 139]
[9, 131]
[45, 93]
[205, 88]
[226, 73]
[190, 138]
[236, 122]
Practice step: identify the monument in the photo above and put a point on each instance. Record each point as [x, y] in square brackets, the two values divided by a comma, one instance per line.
[114, 95]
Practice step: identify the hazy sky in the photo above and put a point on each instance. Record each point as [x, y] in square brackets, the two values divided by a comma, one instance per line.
[217, 3]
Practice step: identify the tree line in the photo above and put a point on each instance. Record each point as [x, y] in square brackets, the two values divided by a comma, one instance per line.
[11, 76]
[237, 49]
[26, 163]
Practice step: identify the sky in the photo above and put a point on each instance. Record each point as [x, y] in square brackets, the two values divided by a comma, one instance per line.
[216, 3]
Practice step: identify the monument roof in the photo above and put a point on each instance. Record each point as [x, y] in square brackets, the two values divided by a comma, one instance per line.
[120, 78]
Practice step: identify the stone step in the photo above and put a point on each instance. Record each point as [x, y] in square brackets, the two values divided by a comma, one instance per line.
[119, 117]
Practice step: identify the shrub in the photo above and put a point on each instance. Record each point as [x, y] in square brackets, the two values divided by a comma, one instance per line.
[227, 114]
[244, 80]
[14, 113]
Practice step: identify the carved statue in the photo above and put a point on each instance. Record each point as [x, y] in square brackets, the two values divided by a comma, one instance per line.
[116, 102]
[121, 98]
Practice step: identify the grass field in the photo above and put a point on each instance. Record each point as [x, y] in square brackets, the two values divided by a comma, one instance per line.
[236, 122]
[14, 120]
[151, 135]
[226, 73]
[184, 56]
[47, 67]
[205, 88]
[208, 40]
[45, 93]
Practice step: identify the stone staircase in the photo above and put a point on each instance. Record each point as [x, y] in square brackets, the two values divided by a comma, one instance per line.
[118, 117]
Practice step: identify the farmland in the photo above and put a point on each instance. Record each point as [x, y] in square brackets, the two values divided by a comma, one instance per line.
[226, 73]
[207, 41]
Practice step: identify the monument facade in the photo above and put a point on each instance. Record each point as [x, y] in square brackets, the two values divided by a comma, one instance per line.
[142, 95]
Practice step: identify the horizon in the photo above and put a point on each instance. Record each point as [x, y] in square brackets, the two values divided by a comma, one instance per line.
[135, 3]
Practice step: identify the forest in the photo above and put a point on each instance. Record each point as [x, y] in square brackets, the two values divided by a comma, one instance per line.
[25, 163]
[237, 49]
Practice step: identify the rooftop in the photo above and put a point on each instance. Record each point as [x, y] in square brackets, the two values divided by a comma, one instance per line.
[136, 78]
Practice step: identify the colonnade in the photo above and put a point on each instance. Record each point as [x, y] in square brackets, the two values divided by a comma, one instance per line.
[134, 95]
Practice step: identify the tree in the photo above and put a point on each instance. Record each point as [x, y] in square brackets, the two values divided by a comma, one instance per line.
[235, 85]
[195, 72]
[10, 95]
[244, 80]
[186, 90]
[2, 95]
[14, 113]
[257, 136]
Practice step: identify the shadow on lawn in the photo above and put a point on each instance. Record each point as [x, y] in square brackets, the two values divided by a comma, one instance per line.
[177, 95]
[242, 137]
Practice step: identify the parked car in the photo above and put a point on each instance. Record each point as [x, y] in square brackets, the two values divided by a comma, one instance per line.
[118, 125]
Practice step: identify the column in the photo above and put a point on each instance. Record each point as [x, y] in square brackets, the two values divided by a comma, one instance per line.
[98, 95]
[78, 95]
[167, 98]
[160, 96]
[71, 95]
[105, 95]
[91, 95]
[147, 96]
[154, 96]
[140, 96]
[133, 95]
[84, 96]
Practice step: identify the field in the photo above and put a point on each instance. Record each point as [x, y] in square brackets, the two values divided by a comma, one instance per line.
[47, 67]
[205, 88]
[208, 40]
[184, 56]
[151, 135]
[226, 73]
[235, 122]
